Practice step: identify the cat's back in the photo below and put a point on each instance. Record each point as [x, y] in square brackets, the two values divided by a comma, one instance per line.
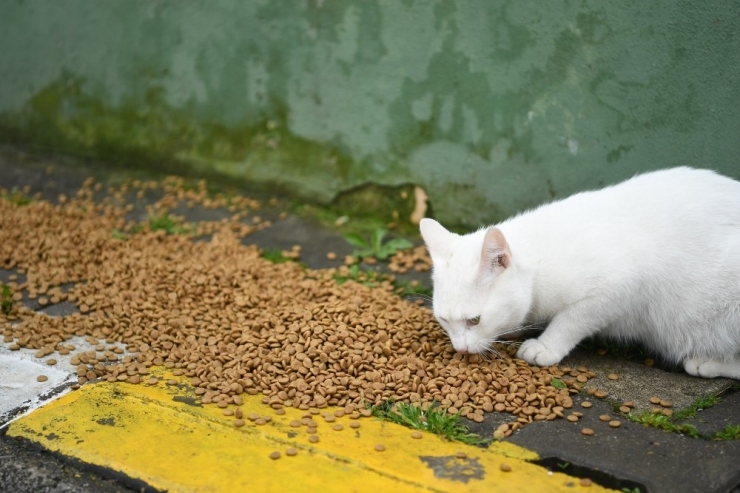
[661, 199]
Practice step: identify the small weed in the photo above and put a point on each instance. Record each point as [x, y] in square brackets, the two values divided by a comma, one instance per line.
[119, 235]
[557, 383]
[170, 225]
[563, 465]
[275, 255]
[375, 246]
[365, 277]
[730, 432]
[411, 288]
[435, 420]
[663, 422]
[631, 490]
[16, 197]
[6, 299]
[698, 405]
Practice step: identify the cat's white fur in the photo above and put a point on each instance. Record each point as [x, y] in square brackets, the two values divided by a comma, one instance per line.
[654, 259]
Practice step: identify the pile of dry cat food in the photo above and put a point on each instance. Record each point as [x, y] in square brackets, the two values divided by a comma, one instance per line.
[233, 322]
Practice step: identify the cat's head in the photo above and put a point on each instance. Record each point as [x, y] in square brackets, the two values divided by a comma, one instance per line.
[479, 293]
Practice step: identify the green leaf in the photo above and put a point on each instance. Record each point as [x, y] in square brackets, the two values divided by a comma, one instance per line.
[356, 240]
[557, 383]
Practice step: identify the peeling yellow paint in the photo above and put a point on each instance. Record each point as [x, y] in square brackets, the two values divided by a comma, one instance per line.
[161, 436]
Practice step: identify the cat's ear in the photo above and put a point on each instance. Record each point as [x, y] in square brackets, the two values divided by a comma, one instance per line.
[495, 255]
[437, 238]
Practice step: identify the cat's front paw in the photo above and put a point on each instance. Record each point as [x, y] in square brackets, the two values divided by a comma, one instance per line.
[701, 367]
[535, 353]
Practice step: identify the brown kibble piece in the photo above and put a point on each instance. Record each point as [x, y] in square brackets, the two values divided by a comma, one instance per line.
[624, 409]
[274, 455]
[605, 417]
[354, 425]
[587, 431]
[613, 376]
[313, 439]
[42, 378]
[586, 482]
[379, 447]
[586, 404]
[655, 400]
[461, 455]
[600, 394]
[416, 434]
[337, 427]
[238, 423]
[572, 418]
[615, 423]
[290, 451]
[665, 403]
[505, 467]
[51, 362]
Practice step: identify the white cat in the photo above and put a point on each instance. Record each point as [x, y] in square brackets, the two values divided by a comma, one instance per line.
[654, 259]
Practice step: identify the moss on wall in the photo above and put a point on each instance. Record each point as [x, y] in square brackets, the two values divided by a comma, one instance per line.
[491, 106]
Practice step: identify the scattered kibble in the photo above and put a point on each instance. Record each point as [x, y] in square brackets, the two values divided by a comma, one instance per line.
[505, 467]
[290, 451]
[586, 482]
[587, 431]
[337, 427]
[379, 447]
[605, 417]
[624, 409]
[51, 362]
[615, 423]
[586, 404]
[354, 424]
[42, 378]
[613, 376]
[655, 400]
[274, 455]
[461, 455]
[572, 418]
[313, 438]
[200, 298]
[665, 403]
[416, 434]
[238, 423]
[600, 394]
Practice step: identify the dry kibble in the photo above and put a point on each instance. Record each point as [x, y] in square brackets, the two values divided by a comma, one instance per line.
[260, 421]
[300, 338]
[416, 434]
[624, 409]
[505, 467]
[666, 403]
[605, 417]
[379, 447]
[313, 439]
[238, 423]
[615, 423]
[354, 425]
[337, 427]
[42, 378]
[461, 455]
[295, 423]
[587, 431]
[572, 418]
[586, 482]
[586, 404]
[274, 455]
[600, 394]
[51, 362]
[613, 376]
[290, 451]
[655, 400]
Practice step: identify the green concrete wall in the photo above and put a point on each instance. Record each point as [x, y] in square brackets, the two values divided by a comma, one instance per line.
[492, 106]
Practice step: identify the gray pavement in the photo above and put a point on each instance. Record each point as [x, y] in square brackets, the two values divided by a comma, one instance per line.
[632, 457]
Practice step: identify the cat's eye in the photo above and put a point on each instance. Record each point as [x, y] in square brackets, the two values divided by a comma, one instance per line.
[473, 321]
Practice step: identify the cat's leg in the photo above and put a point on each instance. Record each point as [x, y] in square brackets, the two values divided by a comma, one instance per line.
[569, 327]
[711, 368]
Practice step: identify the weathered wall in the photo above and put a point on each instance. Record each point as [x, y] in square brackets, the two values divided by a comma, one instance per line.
[491, 105]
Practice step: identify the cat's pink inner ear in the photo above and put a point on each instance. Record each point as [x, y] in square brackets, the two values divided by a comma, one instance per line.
[495, 254]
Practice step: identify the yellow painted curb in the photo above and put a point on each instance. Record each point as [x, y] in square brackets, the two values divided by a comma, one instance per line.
[160, 435]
